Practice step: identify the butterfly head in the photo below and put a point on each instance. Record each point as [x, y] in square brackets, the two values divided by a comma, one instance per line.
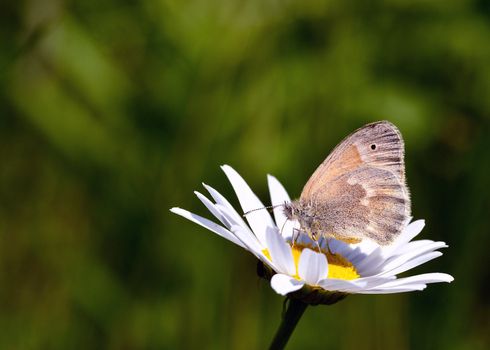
[290, 211]
[301, 212]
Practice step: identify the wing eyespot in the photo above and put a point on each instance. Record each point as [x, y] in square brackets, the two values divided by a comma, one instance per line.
[373, 146]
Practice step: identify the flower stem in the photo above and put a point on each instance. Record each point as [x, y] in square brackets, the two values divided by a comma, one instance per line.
[290, 319]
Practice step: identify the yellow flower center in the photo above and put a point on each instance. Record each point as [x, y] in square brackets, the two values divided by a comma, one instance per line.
[338, 266]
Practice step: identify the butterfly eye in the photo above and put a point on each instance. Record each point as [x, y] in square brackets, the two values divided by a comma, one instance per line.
[373, 146]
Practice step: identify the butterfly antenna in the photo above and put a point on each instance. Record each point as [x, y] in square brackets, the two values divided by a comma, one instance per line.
[268, 207]
[284, 224]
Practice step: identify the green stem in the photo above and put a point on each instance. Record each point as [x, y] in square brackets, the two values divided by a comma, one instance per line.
[290, 319]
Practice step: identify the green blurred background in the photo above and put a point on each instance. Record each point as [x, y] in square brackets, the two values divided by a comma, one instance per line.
[111, 112]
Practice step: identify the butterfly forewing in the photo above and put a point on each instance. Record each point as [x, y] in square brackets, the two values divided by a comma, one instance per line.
[378, 145]
[359, 191]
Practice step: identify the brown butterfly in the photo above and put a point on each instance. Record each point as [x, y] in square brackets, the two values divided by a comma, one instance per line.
[359, 191]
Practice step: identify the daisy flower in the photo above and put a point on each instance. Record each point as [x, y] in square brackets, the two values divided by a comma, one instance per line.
[320, 272]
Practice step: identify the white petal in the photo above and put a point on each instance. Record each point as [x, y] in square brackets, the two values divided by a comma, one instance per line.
[340, 247]
[354, 255]
[239, 235]
[212, 226]
[231, 218]
[210, 206]
[237, 218]
[368, 263]
[376, 266]
[373, 281]
[279, 196]
[412, 288]
[312, 266]
[418, 279]
[259, 220]
[280, 252]
[228, 215]
[411, 246]
[409, 233]
[371, 270]
[366, 246]
[396, 262]
[438, 277]
[242, 232]
[353, 286]
[284, 284]
[412, 264]
[247, 237]
[333, 284]
[412, 230]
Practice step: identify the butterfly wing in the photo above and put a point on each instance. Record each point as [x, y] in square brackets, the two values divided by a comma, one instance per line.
[363, 203]
[360, 188]
[356, 150]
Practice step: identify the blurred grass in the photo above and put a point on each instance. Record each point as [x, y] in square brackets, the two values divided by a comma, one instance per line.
[112, 112]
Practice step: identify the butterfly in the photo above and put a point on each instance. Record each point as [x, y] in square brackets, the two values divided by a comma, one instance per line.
[359, 191]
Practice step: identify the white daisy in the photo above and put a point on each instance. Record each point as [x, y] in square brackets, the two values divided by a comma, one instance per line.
[299, 269]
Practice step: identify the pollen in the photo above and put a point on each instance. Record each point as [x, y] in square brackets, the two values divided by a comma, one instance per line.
[338, 266]
[341, 268]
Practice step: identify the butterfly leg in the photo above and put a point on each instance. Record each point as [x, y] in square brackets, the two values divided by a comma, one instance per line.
[318, 246]
[316, 238]
[294, 238]
[328, 246]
